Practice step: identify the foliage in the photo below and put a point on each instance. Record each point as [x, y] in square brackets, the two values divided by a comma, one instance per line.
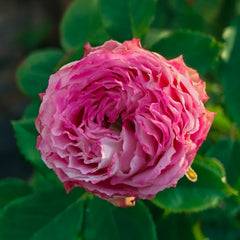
[207, 34]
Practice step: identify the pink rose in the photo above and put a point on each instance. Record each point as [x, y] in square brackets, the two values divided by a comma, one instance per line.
[123, 122]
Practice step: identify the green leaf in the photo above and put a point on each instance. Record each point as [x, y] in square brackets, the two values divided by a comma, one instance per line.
[206, 192]
[95, 226]
[130, 223]
[221, 122]
[69, 221]
[183, 16]
[197, 231]
[42, 181]
[163, 15]
[71, 56]
[204, 8]
[221, 231]
[33, 74]
[153, 36]
[221, 223]
[199, 51]
[26, 136]
[208, 9]
[32, 110]
[180, 223]
[221, 150]
[228, 152]
[136, 219]
[11, 189]
[127, 18]
[80, 24]
[47, 215]
[233, 168]
[230, 69]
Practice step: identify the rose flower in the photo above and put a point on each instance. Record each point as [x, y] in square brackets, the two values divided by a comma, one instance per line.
[123, 123]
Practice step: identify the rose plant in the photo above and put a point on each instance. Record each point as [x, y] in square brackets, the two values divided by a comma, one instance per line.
[122, 121]
[117, 122]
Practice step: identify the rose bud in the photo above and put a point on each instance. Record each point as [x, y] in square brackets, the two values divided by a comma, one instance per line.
[123, 123]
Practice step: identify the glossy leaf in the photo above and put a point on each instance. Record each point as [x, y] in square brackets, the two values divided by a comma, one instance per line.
[80, 24]
[127, 18]
[199, 51]
[206, 192]
[130, 223]
[47, 215]
[33, 74]
[230, 69]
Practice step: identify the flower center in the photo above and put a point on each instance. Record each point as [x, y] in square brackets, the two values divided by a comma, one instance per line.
[117, 125]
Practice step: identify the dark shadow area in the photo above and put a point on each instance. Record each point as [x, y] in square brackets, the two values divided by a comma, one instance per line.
[25, 25]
